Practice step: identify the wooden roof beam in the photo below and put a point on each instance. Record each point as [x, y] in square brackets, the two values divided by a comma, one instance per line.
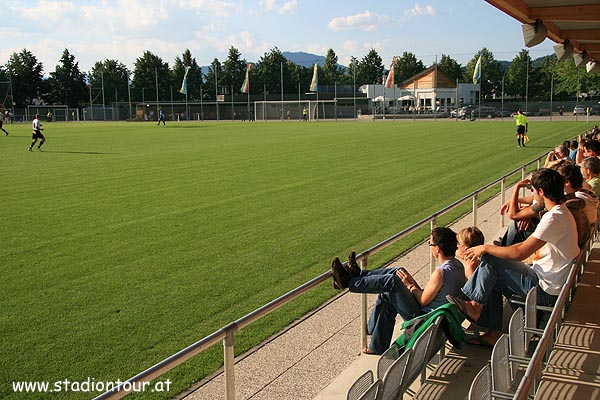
[567, 13]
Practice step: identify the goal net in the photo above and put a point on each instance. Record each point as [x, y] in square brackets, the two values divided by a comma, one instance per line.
[53, 112]
[298, 110]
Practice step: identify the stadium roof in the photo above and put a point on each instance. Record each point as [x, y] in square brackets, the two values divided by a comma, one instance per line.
[575, 20]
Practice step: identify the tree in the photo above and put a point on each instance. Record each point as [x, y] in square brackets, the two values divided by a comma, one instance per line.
[491, 72]
[234, 70]
[67, 83]
[450, 67]
[111, 75]
[545, 72]
[370, 69]
[26, 76]
[150, 70]
[516, 76]
[349, 77]
[271, 67]
[331, 70]
[407, 66]
[194, 76]
[213, 77]
[300, 75]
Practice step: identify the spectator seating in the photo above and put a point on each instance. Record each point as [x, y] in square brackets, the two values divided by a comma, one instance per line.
[360, 386]
[386, 360]
[398, 371]
[481, 387]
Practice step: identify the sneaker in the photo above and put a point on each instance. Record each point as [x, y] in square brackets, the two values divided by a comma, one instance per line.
[39, 149]
[353, 267]
[30, 149]
[341, 276]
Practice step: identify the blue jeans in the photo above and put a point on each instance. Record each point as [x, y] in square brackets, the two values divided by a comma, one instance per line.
[515, 235]
[394, 298]
[497, 276]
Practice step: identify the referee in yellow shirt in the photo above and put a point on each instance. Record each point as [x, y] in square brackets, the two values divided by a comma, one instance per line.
[522, 127]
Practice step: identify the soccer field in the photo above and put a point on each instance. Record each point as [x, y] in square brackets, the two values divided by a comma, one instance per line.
[122, 243]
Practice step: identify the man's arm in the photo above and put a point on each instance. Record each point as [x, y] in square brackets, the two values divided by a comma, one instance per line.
[431, 290]
[518, 251]
[579, 156]
[514, 211]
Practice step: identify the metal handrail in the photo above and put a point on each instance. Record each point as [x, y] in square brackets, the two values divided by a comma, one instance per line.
[226, 333]
[528, 382]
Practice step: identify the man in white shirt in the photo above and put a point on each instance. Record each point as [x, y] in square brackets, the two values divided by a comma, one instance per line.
[551, 247]
[36, 125]
[2, 122]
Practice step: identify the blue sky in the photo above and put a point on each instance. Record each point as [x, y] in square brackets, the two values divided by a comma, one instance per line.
[123, 29]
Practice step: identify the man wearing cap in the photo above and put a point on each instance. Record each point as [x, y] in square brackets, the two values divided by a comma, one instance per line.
[522, 127]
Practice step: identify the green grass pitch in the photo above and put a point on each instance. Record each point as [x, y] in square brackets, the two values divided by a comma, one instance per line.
[123, 243]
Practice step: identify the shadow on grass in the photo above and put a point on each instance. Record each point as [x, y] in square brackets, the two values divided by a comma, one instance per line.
[185, 126]
[76, 152]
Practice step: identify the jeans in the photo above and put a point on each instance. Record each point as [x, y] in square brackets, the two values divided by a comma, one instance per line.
[394, 298]
[515, 235]
[497, 276]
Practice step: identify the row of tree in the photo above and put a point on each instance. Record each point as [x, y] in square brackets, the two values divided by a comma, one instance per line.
[111, 80]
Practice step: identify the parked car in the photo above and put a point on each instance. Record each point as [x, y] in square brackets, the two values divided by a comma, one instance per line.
[474, 112]
[579, 110]
[595, 109]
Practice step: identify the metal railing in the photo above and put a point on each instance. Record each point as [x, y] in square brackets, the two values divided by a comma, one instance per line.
[534, 369]
[226, 333]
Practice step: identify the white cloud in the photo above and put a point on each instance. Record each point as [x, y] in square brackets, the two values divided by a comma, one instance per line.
[218, 8]
[272, 5]
[289, 6]
[137, 15]
[418, 10]
[366, 21]
[268, 5]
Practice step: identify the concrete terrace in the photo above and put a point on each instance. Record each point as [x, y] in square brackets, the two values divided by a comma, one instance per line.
[319, 357]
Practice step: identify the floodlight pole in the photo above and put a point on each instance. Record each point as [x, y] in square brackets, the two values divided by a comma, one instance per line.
[480, 86]
[335, 97]
[128, 93]
[527, 85]
[156, 85]
[354, 87]
[281, 77]
[103, 100]
[502, 100]
[216, 93]
[551, 90]
[172, 110]
[91, 104]
[434, 100]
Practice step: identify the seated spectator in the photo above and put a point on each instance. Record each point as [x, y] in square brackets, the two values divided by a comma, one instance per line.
[560, 153]
[524, 213]
[552, 246]
[573, 151]
[398, 292]
[587, 148]
[590, 169]
[574, 186]
[468, 237]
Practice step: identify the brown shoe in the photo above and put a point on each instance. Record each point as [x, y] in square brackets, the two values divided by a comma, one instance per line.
[353, 267]
[341, 276]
